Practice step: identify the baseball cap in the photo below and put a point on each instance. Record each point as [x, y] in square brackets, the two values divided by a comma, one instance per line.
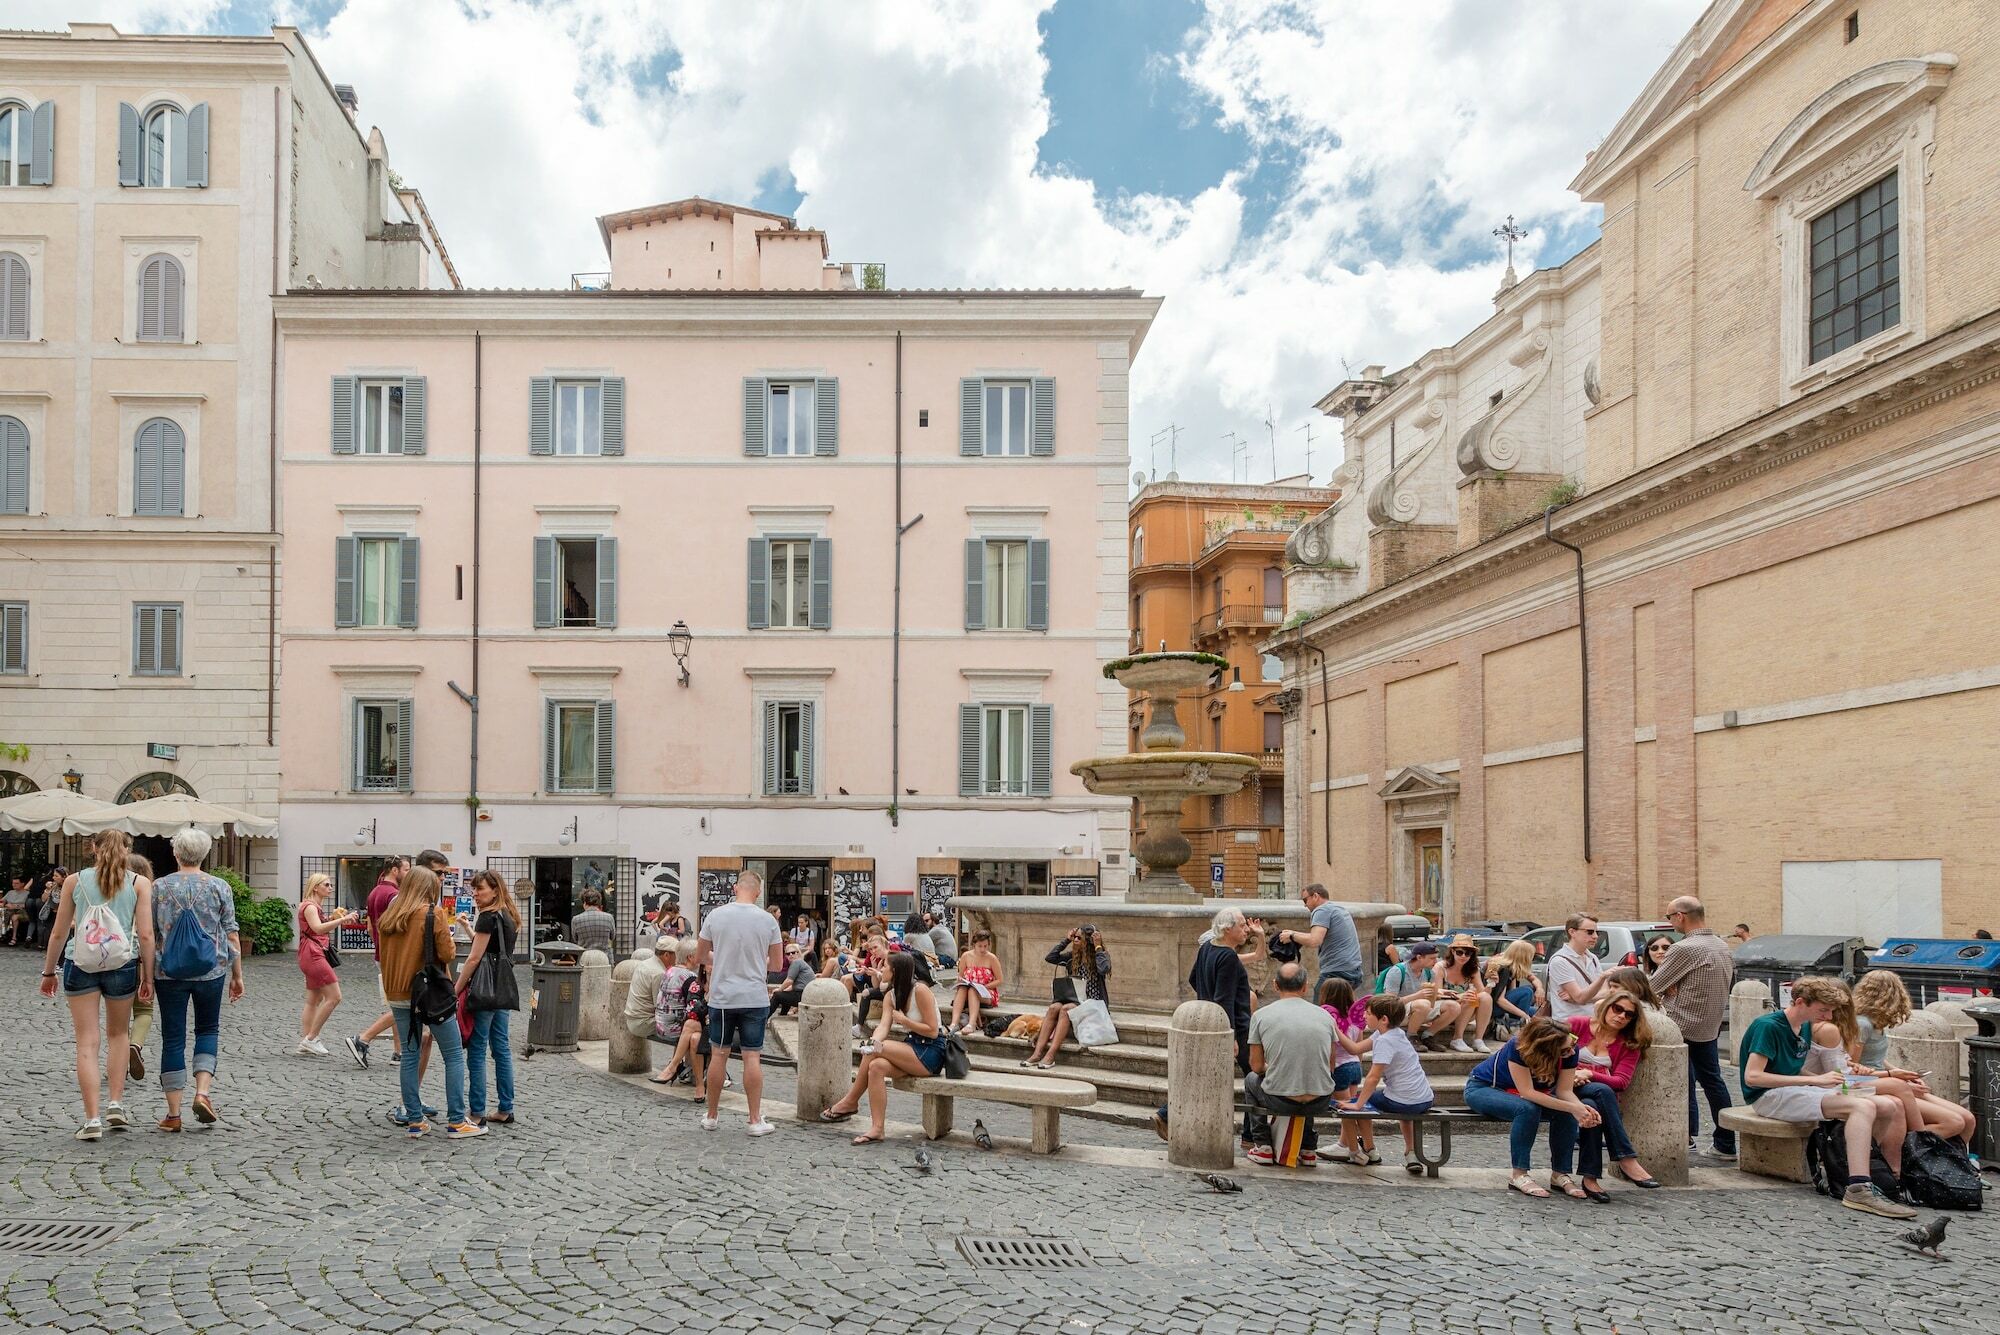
[1423, 948]
[666, 945]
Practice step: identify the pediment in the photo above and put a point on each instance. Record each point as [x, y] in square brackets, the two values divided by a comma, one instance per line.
[1844, 124]
[1416, 781]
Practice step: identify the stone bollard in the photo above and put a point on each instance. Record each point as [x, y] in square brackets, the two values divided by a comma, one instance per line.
[628, 1054]
[1747, 1000]
[1654, 1105]
[826, 1047]
[1953, 1014]
[1201, 1087]
[1926, 1044]
[593, 1023]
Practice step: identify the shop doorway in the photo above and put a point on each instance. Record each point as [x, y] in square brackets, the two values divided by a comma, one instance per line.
[794, 886]
[550, 891]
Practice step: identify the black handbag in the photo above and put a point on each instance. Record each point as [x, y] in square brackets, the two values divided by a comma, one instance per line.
[493, 986]
[330, 951]
[957, 1062]
[433, 999]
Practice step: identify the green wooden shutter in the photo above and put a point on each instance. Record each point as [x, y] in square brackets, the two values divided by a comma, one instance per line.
[346, 581]
[755, 390]
[826, 416]
[13, 466]
[770, 748]
[607, 753]
[405, 716]
[148, 452]
[546, 606]
[808, 744]
[1042, 416]
[760, 584]
[173, 301]
[197, 145]
[970, 718]
[607, 582]
[971, 420]
[131, 146]
[975, 584]
[42, 145]
[822, 584]
[173, 470]
[549, 740]
[416, 414]
[170, 639]
[14, 637]
[406, 603]
[346, 415]
[1041, 749]
[611, 414]
[1038, 584]
[16, 291]
[145, 639]
[541, 414]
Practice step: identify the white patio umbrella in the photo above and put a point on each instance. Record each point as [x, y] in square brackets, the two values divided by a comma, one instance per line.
[168, 816]
[47, 809]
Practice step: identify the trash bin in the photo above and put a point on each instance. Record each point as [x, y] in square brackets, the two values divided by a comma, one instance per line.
[1936, 969]
[1777, 960]
[555, 1003]
[1982, 1051]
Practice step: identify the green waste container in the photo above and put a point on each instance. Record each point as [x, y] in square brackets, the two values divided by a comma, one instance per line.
[555, 1001]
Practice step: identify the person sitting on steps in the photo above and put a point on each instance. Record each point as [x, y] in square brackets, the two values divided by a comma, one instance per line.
[1430, 1014]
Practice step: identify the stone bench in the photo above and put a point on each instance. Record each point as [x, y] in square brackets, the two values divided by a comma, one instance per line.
[1768, 1147]
[1441, 1118]
[1046, 1097]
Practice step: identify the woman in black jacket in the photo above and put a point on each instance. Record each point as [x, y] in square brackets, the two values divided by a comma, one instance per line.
[1086, 965]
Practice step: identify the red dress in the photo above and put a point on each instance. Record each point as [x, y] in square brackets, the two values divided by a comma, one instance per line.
[312, 955]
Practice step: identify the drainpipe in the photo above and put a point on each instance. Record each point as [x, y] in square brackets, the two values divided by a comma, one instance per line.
[472, 699]
[1583, 655]
[1326, 762]
[896, 616]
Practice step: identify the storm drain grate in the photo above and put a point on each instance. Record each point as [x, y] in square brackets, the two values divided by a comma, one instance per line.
[1025, 1254]
[57, 1237]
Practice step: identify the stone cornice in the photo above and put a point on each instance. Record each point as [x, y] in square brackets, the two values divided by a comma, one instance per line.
[189, 61]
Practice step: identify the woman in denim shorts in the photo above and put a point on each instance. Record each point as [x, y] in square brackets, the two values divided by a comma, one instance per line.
[132, 904]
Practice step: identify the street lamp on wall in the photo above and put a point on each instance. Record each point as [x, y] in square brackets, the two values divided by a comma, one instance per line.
[569, 832]
[680, 639]
[365, 836]
[72, 780]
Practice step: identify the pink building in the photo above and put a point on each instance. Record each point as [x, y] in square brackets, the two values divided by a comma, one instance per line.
[653, 529]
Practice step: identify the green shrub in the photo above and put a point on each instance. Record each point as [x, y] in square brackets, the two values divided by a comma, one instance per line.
[239, 890]
[266, 927]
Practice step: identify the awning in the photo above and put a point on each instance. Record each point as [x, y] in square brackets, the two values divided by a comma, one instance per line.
[168, 816]
[48, 809]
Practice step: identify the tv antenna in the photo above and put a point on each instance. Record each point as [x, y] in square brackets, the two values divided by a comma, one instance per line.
[1271, 429]
[1308, 429]
[1173, 435]
[1239, 447]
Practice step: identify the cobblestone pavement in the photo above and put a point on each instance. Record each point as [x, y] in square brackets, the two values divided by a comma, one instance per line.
[608, 1209]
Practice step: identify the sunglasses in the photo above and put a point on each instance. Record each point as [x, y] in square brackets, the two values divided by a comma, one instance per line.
[1621, 1010]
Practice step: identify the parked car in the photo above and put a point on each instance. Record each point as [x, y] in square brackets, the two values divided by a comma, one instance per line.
[1615, 941]
[1511, 928]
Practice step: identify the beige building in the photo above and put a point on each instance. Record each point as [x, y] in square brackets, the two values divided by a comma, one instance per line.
[156, 193]
[1764, 410]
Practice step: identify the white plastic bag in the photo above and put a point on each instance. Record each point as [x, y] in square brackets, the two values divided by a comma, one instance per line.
[1090, 1021]
[100, 944]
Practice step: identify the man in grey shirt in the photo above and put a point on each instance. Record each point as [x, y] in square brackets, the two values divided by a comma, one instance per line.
[742, 947]
[1694, 979]
[1332, 934]
[1291, 1060]
[942, 938]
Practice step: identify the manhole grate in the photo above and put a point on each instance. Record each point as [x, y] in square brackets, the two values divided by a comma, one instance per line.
[57, 1237]
[1025, 1253]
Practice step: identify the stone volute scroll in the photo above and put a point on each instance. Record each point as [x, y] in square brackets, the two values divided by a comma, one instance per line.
[1518, 435]
[1399, 498]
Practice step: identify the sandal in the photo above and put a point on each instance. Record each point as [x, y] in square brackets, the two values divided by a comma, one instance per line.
[829, 1115]
[1527, 1186]
[498, 1119]
[1047, 1064]
[204, 1111]
[867, 1138]
[1564, 1183]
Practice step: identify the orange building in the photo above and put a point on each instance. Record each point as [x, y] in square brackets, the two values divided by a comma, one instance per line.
[1208, 574]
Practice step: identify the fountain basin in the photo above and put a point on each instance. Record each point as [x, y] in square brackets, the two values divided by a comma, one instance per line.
[1159, 773]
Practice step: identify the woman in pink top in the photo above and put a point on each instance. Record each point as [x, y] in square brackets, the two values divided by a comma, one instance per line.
[1610, 1044]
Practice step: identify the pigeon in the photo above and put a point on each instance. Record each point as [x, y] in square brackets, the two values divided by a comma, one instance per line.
[923, 1160]
[843, 792]
[1217, 1182]
[1927, 1238]
[980, 1136]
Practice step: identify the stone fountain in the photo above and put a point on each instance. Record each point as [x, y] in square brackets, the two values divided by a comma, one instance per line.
[1163, 776]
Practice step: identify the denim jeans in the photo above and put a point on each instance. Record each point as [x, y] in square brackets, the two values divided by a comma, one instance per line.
[172, 996]
[1705, 1070]
[1611, 1131]
[1501, 1105]
[489, 1035]
[444, 1036]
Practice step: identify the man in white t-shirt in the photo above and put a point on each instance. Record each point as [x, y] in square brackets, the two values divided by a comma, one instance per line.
[1576, 975]
[742, 947]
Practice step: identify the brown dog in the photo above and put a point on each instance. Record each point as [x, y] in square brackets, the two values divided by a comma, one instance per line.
[1024, 1026]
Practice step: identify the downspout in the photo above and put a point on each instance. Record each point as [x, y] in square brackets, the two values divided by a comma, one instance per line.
[271, 441]
[896, 616]
[1326, 763]
[1583, 655]
[472, 778]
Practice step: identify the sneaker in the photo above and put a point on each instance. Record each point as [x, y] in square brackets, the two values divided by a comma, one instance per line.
[1369, 1158]
[709, 1123]
[1336, 1154]
[1261, 1154]
[313, 1047]
[1727, 1156]
[858, 1033]
[1868, 1198]
[417, 1129]
[1479, 1045]
[115, 1118]
[91, 1130]
[1460, 1045]
[357, 1050]
[399, 1117]
[464, 1130]
[729, 1082]
[302, 1050]
[1308, 1158]
[761, 1128]
[1412, 1163]
[135, 1063]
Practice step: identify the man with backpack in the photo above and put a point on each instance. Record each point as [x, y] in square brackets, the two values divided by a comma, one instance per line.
[1414, 980]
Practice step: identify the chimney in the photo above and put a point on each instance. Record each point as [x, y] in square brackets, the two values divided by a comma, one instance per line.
[344, 93]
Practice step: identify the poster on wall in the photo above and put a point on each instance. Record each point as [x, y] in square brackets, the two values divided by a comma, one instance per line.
[935, 894]
[853, 898]
[716, 888]
[1075, 885]
[659, 885]
[455, 894]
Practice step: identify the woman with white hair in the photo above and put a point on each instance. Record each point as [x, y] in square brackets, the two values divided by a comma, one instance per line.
[194, 920]
[322, 983]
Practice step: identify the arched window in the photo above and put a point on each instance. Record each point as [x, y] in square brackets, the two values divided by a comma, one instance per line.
[14, 293]
[1139, 546]
[13, 467]
[16, 141]
[157, 784]
[164, 157]
[159, 464]
[161, 303]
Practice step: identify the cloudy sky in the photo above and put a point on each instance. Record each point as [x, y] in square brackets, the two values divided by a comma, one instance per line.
[1304, 181]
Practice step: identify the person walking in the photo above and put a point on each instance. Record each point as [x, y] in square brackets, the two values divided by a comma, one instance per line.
[742, 947]
[494, 932]
[388, 881]
[114, 965]
[1693, 981]
[315, 940]
[412, 917]
[200, 958]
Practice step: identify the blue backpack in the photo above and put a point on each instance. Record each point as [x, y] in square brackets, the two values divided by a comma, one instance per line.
[189, 952]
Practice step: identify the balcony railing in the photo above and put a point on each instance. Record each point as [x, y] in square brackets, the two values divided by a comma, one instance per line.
[1219, 530]
[590, 282]
[1237, 614]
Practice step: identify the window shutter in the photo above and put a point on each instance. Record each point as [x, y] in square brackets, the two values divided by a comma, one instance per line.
[14, 637]
[346, 412]
[760, 583]
[151, 276]
[607, 754]
[416, 415]
[406, 605]
[197, 145]
[1038, 584]
[611, 413]
[1042, 423]
[146, 451]
[173, 284]
[545, 581]
[170, 639]
[14, 294]
[822, 584]
[541, 414]
[145, 632]
[971, 406]
[131, 148]
[969, 719]
[173, 470]
[346, 581]
[826, 416]
[975, 584]
[13, 466]
[607, 582]
[754, 390]
[42, 147]
[770, 747]
[808, 744]
[405, 716]
[549, 740]
[1041, 749]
